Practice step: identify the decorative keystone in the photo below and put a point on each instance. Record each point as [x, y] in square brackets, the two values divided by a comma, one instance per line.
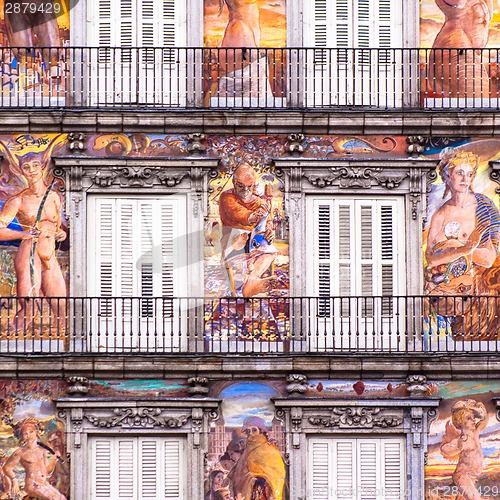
[417, 385]
[78, 386]
[297, 383]
[295, 144]
[76, 142]
[415, 145]
[194, 143]
[198, 386]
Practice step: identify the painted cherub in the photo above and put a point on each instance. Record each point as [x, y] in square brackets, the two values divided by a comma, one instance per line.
[461, 441]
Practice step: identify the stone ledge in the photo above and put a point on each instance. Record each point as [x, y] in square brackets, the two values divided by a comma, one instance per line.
[230, 366]
[338, 122]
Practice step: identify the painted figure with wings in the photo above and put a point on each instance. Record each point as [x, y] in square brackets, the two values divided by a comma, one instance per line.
[37, 209]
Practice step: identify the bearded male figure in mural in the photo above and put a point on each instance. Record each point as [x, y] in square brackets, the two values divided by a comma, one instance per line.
[38, 211]
[259, 473]
[247, 229]
[33, 458]
[461, 440]
[244, 70]
[463, 238]
[454, 72]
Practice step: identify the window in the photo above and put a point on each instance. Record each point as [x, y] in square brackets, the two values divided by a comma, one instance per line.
[357, 265]
[356, 468]
[354, 73]
[136, 249]
[137, 468]
[137, 60]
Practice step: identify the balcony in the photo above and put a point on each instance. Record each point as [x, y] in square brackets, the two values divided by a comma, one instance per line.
[254, 78]
[233, 325]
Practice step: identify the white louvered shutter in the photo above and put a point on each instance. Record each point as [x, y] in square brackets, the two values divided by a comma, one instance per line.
[136, 248]
[356, 468]
[146, 66]
[137, 468]
[356, 269]
[361, 76]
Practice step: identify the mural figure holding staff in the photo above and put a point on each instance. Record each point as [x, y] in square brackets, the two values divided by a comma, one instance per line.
[247, 233]
[38, 211]
[33, 457]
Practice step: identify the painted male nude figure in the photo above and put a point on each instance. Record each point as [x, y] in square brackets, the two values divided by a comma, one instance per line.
[33, 458]
[38, 210]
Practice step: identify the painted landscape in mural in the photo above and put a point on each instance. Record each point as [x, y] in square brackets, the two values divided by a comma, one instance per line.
[464, 453]
[39, 74]
[246, 445]
[246, 72]
[460, 24]
[33, 461]
[461, 244]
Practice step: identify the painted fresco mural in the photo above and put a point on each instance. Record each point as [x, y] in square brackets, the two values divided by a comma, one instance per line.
[33, 232]
[249, 24]
[461, 242]
[38, 75]
[464, 453]
[33, 459]
[461, 24]
[246, 445]
[247, 255]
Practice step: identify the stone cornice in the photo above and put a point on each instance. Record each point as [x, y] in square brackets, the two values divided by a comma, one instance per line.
[338, 121]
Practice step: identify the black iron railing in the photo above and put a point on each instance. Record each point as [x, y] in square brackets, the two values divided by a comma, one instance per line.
[289, 325]
[264, 78]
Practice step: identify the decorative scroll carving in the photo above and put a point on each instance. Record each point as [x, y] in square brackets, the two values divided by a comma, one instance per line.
[137, 177]
[296, 422]
[358, 417]
[197, 425]
[356, 177]
[417, 417]
[295, 144]
[297, 383]
[137, 418]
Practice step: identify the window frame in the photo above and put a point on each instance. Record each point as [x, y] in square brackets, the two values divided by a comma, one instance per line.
[351, 417]
[188, 418]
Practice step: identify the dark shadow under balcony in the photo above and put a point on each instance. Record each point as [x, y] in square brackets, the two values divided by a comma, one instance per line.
[234, 325]
[253, 78]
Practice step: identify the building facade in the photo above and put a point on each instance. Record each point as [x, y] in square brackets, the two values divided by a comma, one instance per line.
[249, 250]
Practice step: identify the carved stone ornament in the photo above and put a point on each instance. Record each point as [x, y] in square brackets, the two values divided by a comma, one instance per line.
[297, 383]
[415, 145]
[358, 417]
[295, 144]
[194, 143]
[78, 386]
[356, 177]
[198, 386]
[137, 177]
[417, 385]
[145, 418]
[76, 142]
